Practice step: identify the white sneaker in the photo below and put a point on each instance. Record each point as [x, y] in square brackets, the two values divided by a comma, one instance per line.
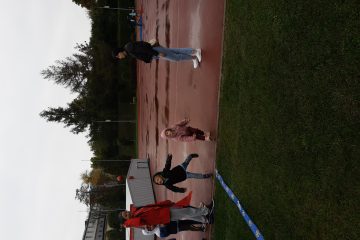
[195, 63]
[198, 54]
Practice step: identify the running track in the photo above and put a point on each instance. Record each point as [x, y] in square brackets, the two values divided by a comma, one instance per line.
[169, 92]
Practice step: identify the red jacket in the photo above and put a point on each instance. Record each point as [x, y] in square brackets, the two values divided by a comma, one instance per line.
[154, 214]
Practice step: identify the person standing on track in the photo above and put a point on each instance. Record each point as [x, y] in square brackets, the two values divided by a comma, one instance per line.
[182, 132]
[147, 51]
[164, 212]
[168, 177]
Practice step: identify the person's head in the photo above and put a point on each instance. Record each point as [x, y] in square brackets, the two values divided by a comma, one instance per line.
[125, 215]
[119, 53]
[158, 179]
[167, 133]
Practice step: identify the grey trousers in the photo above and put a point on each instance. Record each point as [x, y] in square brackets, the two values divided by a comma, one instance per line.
[189, 213]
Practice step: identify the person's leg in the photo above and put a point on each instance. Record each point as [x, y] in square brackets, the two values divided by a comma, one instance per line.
[200, 135]
[171, 228]
[185, 164]
[189, 225]
[187, 51]
[164, 231]
[189, 213]
[172, 55]
[198, 131]
[204, 136]
[198, 175]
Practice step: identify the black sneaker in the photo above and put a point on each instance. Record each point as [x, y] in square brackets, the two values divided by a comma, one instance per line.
[210, 217]
[208, 175]
[194, 155]
[203, 227]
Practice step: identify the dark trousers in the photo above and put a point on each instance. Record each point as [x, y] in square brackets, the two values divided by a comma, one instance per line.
[178, 226]
[200, 135]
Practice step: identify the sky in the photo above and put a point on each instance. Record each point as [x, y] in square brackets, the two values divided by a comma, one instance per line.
[40, 162]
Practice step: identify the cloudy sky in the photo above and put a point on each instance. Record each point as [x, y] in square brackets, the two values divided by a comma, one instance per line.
[39, 161]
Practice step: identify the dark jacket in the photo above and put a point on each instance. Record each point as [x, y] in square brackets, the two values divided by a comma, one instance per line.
[141, 50]
[173, 176]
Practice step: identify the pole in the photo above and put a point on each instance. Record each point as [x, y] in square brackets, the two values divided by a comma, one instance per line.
[120, 121]
[124, 9]
[87, 160]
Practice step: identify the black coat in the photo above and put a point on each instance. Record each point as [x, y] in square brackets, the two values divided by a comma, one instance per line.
[141, 50]
[173, 176]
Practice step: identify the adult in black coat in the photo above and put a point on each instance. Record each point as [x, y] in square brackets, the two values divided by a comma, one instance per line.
[147, 51]
[168, 177]
[140, 50]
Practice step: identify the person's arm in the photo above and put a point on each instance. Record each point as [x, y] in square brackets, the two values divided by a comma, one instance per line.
[183, 122]
[175, 189]
[133, 222]
[149, 227]
[168, 163]
[153, 42]
[146, 232]
[143, 44]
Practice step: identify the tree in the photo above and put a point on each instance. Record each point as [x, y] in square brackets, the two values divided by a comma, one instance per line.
[83, 194]
[85, 3]
[77, 115]
[115, 234]
[104, 196]
[97, 177]
[113, 220]
[73, 72]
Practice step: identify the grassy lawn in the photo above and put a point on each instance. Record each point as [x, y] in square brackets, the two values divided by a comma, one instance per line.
[289, 119]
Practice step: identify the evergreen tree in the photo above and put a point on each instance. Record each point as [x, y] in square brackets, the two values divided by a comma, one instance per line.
[85, 3]
[75, 115]
[74, 71]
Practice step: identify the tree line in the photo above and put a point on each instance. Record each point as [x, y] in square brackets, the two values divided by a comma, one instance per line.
[105, 90]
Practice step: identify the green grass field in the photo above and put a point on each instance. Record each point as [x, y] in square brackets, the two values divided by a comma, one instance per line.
[288, 141]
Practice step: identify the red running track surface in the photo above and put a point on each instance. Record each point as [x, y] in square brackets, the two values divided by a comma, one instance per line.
[169, 92]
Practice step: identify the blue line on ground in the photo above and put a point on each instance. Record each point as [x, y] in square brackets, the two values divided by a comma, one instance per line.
[246, 217]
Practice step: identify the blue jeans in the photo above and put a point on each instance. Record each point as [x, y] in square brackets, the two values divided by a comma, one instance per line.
[185, 164]
[175, 54]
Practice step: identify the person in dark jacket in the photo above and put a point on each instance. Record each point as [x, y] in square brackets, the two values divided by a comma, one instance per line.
[147, 51]
[178, 174]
